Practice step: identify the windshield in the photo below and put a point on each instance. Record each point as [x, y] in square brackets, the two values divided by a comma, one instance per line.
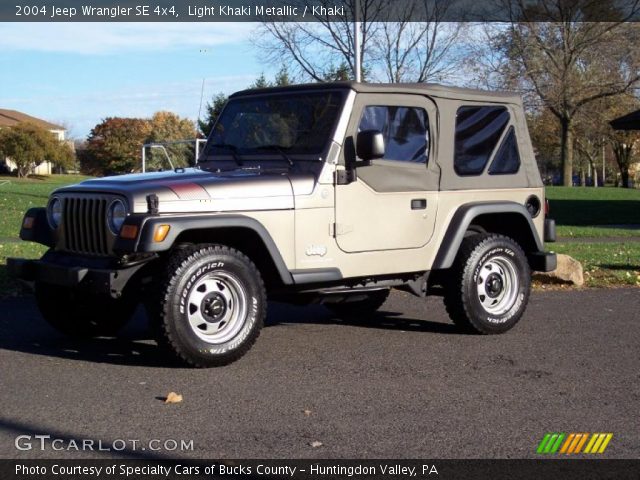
[288, 124]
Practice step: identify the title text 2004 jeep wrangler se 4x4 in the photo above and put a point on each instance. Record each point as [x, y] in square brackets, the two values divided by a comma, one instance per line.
[329, 193]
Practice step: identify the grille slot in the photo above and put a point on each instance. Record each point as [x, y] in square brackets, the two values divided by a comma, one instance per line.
[84, 225]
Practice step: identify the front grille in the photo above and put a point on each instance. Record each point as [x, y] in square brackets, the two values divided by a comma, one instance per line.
[84, 222]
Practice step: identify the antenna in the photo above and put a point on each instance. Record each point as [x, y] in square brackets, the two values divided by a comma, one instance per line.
[200, 108]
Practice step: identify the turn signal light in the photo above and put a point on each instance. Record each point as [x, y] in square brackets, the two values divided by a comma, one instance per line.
[28, 223]
[129, 232]
[161, 233]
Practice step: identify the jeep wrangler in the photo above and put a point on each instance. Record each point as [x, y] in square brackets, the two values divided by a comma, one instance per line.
[330, 193]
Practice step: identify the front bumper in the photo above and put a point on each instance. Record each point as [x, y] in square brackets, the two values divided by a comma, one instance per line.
[102, 281]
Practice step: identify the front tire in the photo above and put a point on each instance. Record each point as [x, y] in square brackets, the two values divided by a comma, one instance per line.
[80, 314]
[212, 305]
[489, 284]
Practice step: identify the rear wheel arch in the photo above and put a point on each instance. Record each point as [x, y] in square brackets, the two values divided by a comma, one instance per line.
[510, 224]
[505, 218]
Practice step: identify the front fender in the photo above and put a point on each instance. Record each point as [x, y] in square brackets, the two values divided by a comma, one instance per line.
[146, 224]
[40, 231]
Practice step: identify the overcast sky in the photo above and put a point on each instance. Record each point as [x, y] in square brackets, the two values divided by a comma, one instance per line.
[79, 73]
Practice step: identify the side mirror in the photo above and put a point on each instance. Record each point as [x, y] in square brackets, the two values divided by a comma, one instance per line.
[370, 145]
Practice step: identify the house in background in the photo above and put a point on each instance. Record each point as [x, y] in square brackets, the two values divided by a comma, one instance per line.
[10, 118]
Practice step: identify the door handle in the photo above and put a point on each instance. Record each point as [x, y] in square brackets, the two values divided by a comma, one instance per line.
[418, 204]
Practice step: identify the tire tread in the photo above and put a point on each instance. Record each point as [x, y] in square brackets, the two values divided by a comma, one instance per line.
[177, 263]
[454, 296]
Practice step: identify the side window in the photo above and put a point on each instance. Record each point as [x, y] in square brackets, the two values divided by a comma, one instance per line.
[405, 131]
[478, 130]
[508, 158]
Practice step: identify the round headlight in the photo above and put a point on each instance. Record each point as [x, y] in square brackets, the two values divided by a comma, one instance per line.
[55, 213]
[116, 215]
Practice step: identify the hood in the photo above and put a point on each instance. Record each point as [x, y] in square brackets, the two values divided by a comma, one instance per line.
[193, 190]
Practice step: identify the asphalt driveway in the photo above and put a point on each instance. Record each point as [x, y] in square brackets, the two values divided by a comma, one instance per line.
[407, 385]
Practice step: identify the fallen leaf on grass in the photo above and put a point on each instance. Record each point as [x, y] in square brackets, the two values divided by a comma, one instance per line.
[173, 397]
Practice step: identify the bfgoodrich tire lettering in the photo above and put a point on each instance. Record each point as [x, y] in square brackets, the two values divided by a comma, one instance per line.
[212, 305]
[489, 284]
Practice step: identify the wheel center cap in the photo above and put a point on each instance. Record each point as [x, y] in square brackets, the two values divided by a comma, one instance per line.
[494, 285]
[214, 307]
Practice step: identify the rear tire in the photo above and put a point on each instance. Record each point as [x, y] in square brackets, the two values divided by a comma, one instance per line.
[210, 306]
[359, 309]
[79, 314]
[488, 286]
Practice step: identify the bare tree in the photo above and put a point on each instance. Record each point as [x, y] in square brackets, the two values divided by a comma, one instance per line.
[316, 48]
[396, 51]
[410, 51]
[565, 62]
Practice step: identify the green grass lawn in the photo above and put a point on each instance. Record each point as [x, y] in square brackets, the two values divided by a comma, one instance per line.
[605, 264]
[567, 232]
[585, 206]
[17, 195]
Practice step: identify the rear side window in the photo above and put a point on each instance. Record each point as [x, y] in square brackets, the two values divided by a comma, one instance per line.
[405, 131]
[508, 158]
[478, 130]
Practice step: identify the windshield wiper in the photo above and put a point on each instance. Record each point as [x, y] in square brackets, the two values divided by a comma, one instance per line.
[233, 149]
[277, 148]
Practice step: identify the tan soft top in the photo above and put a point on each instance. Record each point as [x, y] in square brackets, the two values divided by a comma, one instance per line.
[431, 89]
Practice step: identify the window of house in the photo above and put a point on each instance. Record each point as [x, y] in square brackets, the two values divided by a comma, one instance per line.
[478, 130]
[507, 159]
[405, 131]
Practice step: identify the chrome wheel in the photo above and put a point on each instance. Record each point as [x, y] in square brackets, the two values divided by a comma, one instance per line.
[497, 285]
[217, 307]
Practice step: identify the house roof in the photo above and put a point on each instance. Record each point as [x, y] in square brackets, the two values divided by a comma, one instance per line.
[630, 121]
[10, 118]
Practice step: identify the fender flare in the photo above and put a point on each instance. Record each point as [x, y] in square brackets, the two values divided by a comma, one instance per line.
[41, 232]
[462, 219]
[183, 223]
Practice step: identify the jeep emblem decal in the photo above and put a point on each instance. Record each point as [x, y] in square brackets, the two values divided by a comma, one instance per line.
[319, 250]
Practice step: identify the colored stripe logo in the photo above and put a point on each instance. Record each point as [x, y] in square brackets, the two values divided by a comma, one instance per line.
[573, 443]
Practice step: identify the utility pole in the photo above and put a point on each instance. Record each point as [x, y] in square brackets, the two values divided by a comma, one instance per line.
[356, 41]
[603, 162]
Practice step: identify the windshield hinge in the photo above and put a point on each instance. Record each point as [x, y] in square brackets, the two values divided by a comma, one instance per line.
[345, 177]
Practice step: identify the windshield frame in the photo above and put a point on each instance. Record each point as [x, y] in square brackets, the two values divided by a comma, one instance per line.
[256, 155]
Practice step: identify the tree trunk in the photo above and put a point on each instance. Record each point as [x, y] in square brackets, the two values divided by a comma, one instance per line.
[594, 175]
[624, 174]
[583, 178]
[566, 155]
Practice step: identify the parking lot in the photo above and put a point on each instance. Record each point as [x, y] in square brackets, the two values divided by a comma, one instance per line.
[405, 385]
